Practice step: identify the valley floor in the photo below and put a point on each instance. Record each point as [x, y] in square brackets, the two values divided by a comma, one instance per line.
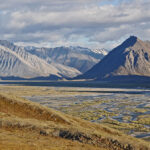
[123, 109]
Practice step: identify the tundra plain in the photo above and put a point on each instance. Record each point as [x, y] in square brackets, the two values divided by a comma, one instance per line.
[127, 110]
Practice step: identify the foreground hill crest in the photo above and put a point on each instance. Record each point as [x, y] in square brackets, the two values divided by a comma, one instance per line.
[27, 125]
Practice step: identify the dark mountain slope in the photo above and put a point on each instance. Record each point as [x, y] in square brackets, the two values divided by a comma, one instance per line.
[132, 57]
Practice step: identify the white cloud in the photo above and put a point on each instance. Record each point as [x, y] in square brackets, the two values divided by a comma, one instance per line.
[74, 22]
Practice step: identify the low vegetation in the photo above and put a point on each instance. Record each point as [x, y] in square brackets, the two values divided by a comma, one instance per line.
[27, 125]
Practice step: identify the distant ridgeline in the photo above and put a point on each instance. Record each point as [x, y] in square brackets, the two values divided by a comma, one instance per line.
[18, 62]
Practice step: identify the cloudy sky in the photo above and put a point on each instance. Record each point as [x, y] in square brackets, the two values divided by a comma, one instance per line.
[88, 23]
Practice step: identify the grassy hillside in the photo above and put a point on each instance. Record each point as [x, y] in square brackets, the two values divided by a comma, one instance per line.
[29, 126]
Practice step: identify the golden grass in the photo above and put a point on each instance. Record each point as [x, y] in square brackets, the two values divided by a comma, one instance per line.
[27, 125]
[38, 91]
[10, 140]
[26, 109]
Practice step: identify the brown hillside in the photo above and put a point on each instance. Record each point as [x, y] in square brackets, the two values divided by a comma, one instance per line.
[30, 126]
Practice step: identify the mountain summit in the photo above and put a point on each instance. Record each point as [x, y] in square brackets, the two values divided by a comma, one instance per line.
[132, 57]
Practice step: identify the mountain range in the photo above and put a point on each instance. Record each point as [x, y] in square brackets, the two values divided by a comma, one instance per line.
[78, 57]
[131, 58]
[48, 63]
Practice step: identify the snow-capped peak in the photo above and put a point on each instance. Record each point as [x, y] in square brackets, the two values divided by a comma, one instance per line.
[100, 51]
